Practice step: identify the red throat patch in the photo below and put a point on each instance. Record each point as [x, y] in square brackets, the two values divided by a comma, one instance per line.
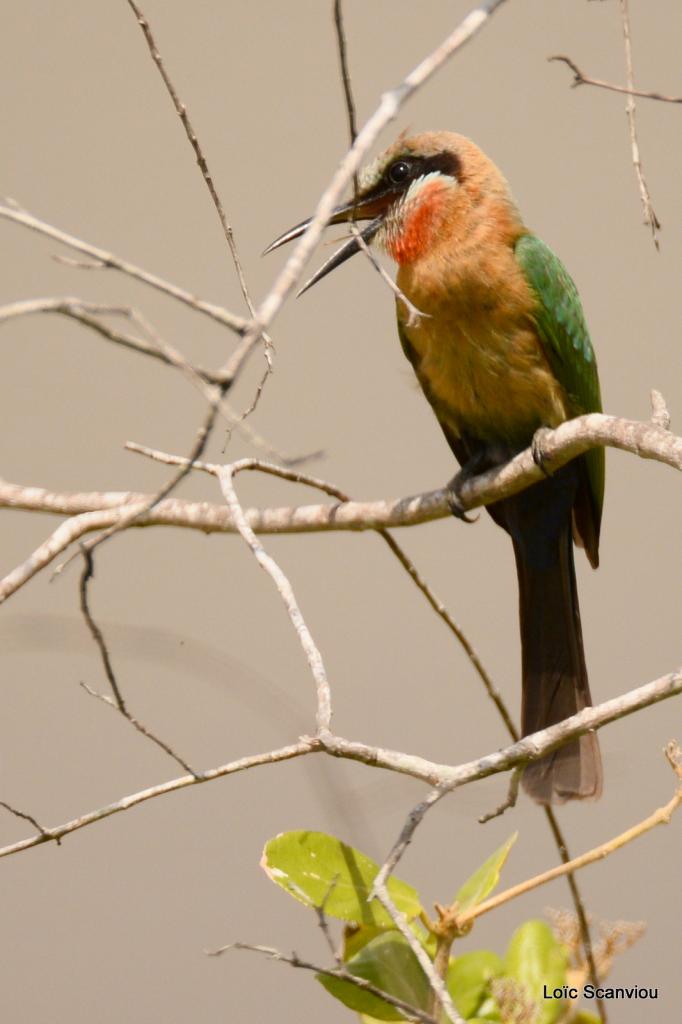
[418, 225]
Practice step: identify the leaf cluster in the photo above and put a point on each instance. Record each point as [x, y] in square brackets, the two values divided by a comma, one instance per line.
[336, 880]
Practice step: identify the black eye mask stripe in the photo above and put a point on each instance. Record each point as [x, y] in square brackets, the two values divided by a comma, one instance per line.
[443, 163]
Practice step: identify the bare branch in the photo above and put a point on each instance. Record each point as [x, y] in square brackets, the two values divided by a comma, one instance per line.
[660, 817]
[380, 891]
[455, 629]
[86, 313]
[324, 704]
[102, 510]
[108, 260]
[304, 746]
[65, 535]
[394, 547]
[181, 111]
[345, 71]
[118, 703]
[650, 217]
[529, 748]
[130, 516]
[294, 960]
[509, 801]
[445, 777]
[581, 913]
[322, 921]
[25, 817]
[580, 78]
[205, 380]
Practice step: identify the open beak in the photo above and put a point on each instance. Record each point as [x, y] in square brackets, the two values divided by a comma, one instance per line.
[372, 208]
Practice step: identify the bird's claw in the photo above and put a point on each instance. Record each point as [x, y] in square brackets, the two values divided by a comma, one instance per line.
[539, 451]
[455, 502]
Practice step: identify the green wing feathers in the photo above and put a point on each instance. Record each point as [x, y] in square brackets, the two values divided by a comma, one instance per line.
[561, 326]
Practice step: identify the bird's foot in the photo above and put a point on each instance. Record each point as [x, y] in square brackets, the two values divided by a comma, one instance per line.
[454, 494]
[539, 451]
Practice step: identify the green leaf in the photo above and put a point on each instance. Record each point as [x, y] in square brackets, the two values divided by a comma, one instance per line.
[389, 963]
[356, 937]
[469, 978]
[583, 1017]
[484, 880]
[535, 959]
[320, 870]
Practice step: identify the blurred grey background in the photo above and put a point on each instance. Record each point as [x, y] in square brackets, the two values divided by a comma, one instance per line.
[113, 925]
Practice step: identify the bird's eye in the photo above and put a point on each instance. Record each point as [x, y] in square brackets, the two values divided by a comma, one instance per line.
[399, 172]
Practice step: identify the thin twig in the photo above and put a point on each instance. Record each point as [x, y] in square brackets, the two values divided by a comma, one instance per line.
[107, 260]
[581, 913]
[580, 78]
[380, 891]
[294, 960]
[413, 314]
[181, 111]
[660, 817]
[125, 517]
[454, 628]
[321, 912]
[303, 747]
[509, 801]
[87, 313]
[650, 218]
[345, 70]
[25, 817]
[118, 702]
[193, 139]
[394, 547]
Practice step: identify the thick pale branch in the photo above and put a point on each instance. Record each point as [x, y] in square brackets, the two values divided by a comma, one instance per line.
[529, 748]
[104, 510]
[446, 777]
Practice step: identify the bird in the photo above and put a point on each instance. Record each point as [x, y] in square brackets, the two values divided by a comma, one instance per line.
[501, 350]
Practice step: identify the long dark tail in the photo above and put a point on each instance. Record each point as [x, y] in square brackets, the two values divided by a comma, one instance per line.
[554, 674]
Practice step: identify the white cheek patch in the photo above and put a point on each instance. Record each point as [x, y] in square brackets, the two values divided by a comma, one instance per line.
[413, 193]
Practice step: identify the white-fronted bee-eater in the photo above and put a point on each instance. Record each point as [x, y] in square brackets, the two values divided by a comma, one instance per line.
[501, 352]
